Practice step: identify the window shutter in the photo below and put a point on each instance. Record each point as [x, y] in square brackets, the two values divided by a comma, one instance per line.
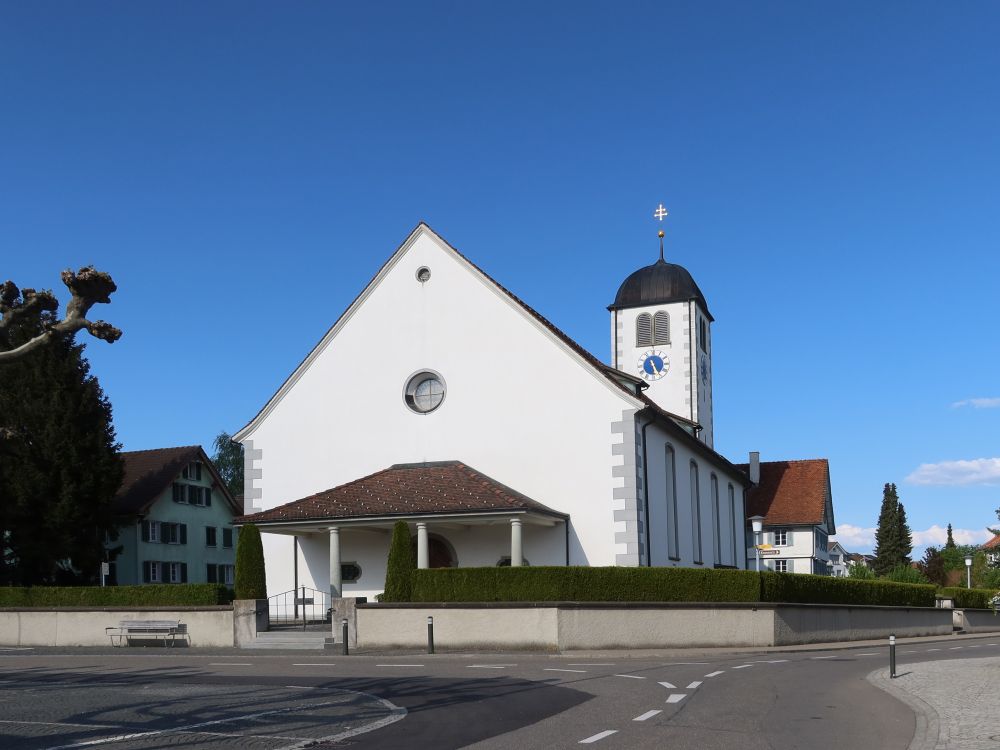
[212, 573]
[184, 572]
[184, 533]
[643, 330]
[208, 497]
[788, 537]
[661, 328]
[145, 532]
[197, 471]
[227, 538]
[146, 571]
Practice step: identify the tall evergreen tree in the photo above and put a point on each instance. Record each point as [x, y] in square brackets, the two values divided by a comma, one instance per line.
[59, 462]
[950, 544]
[888, 545]
[903, 534]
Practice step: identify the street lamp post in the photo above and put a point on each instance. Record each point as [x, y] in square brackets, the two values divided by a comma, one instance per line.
[757, 523]
[968, 571]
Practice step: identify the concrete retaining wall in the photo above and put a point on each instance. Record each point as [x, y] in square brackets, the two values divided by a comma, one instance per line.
[977, 620]
[571, 626]
[74, 626]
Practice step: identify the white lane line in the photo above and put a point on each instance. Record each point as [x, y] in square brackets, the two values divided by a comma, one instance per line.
[828, 657]
[590, 665]
[743, 666]
[227, 664]
[488, 666]
[909, 652]
[991, 644]
[598, 736]
[668, 686]
[776, 661]
[631, 676]
[320, 664]
[976, 646]
[955, 648]
[715, 674]
[683, 663]
[648, 715]
[676, 697]
[933, 649]
[399, 665]
[868, 654]
[579, 671]
[694, 685]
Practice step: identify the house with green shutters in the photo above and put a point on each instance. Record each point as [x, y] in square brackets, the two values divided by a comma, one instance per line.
[176, 520]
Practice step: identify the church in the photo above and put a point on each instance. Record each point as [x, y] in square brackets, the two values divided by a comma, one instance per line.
[441, 399]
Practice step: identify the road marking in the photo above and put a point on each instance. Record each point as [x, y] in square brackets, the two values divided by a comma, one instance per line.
[228, 664]
[631, 676]
[598, 736]
[991, 644]
[676, 697]
[694, 685]
[933, 649]
[579, 671]
[976, 646]
[777, 661]
[648, 715]
[955, 648]
[668, 686]
[743, 666]
[489, 666]
[872, 654]
[683, 663]
[715, 674]
[909, 652]
[320, 664]
[827, 657]
[590, 665]
[399, 665]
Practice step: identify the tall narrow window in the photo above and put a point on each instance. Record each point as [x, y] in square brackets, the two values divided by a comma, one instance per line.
[703, 334]
[644, 330]
[716, 523]
[732, 521]
[673, 538]
[696, 512]
[661, 328]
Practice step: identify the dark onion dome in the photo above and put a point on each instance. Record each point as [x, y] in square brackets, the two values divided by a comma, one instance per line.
[658, 284]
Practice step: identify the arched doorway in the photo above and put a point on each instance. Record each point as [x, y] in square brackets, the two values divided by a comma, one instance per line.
[440, 553]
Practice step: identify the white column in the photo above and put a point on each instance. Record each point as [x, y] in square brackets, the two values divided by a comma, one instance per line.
[336, 587]
[423, 557]
[516, 559]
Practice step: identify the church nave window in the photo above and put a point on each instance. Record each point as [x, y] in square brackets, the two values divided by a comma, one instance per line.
[644, 330]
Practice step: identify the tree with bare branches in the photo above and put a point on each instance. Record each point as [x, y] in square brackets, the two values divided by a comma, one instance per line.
[87, 286]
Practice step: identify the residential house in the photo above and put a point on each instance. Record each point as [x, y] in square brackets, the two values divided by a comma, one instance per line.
[176, 520]
[796, 501]
[992, 549]
[838, 559]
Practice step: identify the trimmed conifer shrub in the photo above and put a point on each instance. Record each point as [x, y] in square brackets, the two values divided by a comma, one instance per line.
[150, 595]
[400, 566]
[968, 598]
[251, 577]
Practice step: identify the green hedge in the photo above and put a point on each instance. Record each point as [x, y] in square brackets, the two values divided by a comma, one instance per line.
[616, 584]
[583, 584]
[155, 595]
[812, 589]
[968, 598]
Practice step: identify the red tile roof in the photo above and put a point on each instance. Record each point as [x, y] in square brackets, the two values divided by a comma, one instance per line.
[405, 490]
[149, 473]
[993, 543]
[790, 492]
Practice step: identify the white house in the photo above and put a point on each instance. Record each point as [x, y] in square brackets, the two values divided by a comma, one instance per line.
[838, 559]
[796, 501]
[441, 399]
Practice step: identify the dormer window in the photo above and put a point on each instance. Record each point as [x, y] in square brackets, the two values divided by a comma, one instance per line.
[192, 471]
[652, 330]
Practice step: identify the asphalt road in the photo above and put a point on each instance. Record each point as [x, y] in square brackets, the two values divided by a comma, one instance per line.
[155, 699]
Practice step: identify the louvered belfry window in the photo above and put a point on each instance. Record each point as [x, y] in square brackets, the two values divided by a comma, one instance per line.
[661, 328]
[644, 330]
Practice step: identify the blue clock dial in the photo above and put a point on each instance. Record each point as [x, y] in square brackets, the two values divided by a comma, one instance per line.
[653, 364]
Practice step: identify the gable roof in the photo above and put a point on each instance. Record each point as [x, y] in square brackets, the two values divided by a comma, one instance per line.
[791, 492]
[447, 487]
[993, 543]
[148, 473]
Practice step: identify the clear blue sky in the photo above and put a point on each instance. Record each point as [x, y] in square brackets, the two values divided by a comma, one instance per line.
[832, 172]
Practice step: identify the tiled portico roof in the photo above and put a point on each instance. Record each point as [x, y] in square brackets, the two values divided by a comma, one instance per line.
[790, 492]
[446, 487]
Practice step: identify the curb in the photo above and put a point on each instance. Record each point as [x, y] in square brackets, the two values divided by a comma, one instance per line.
[928, 729]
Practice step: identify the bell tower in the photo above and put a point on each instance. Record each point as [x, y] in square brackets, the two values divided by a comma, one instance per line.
[661, 332]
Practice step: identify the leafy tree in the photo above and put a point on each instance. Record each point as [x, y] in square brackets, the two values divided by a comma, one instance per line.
[889, 544]
[954, 557]
[932, 566]
[996, 532]
[228, 460]
[905, 574]
[400, 566]
[860, 571]
[60, 466]
[950, 544]
[251, 577]
[29, 309]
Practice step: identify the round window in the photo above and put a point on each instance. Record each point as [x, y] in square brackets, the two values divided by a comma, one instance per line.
[423, 274]
[424, 392]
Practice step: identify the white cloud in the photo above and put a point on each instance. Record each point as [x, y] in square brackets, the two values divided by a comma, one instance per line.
[976, 471]
[978, 403]
[861, 539]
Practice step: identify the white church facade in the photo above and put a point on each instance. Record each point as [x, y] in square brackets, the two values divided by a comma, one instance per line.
[441, 399]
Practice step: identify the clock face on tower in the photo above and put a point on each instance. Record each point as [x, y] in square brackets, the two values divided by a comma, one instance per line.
[653, 364]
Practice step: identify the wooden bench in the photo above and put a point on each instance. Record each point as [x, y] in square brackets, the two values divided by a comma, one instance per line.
[167, 630]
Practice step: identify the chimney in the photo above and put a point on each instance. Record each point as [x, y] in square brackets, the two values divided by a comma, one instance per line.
[755, 467]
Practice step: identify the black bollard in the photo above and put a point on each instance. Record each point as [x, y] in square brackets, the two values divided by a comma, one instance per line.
[892, 657]
[430, 635]
[343, 631]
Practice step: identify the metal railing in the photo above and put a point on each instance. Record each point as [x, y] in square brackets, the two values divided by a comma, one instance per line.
[299, 607]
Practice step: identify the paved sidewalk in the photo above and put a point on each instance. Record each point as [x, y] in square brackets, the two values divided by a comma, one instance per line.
[957, 702]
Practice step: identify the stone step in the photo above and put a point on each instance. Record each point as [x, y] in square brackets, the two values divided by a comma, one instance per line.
[290, 639]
